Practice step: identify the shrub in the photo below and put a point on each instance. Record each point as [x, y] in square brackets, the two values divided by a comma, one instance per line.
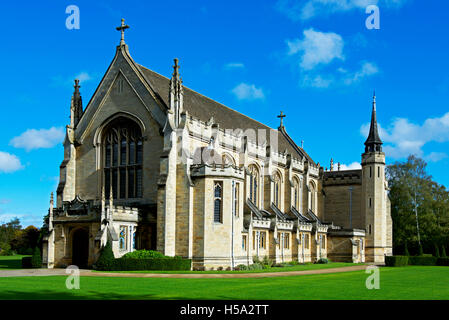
[163, 264]
[144, 254]
[36, 258]
[242, 267]
[396, 261]
[422, 261]
[443, 262]
[437, 251]
[106, 259]
[323, 261]
[26, 262]
[443, 252]
[255, 266]
[228, 269]
[5, 249]
[256, 260]
[220, 268]
[267, 261]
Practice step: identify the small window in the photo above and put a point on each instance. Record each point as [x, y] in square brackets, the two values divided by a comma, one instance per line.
[123, 239]
[370, 172]
[218, 202]
[323, 242]
[370, 202]
[262, 239]
[236, 199]
[244, 243]
[286, 240]
[378, 172]
[306, 241]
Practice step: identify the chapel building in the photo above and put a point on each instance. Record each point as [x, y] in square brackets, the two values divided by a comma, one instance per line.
[152, 164]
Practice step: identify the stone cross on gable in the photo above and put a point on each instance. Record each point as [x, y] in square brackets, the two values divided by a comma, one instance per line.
[281, 116]
[122, 29]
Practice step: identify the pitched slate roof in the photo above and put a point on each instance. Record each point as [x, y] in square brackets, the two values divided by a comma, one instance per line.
[203, 108]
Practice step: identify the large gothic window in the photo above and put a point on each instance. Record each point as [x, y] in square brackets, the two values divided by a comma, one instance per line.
[123, 157]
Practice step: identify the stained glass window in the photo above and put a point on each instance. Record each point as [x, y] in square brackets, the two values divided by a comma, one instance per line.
[123, 237]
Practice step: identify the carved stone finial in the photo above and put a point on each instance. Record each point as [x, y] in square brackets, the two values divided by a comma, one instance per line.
[332, 164]
[339, 166]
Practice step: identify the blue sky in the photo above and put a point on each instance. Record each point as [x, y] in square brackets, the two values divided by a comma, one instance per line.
[313, 59]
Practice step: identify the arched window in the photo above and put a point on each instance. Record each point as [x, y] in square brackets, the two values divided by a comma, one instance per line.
[123, 157]
[312, 191]
[218, 201]
[253, 183]
[277, 189]
[296, 193]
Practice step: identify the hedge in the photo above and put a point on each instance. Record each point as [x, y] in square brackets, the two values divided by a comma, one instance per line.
[162, 264]
[443, 262]
[396, 261]
[26, 262]
[400, 261]
[422, 261]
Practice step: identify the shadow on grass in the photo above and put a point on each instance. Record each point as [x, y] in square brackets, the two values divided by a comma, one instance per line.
[88, 295]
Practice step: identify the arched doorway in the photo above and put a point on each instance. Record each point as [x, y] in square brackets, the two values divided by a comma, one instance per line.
[80, 248]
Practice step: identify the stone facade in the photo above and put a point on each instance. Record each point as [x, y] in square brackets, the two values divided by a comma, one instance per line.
[187, 176]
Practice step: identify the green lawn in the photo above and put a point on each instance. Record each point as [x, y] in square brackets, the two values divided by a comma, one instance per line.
[300, 267]
[412, 282]
[11, 262]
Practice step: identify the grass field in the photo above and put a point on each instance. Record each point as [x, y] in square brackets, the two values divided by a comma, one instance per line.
[11, 262]
[412, 282]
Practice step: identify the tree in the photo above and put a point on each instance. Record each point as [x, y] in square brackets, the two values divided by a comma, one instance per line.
[106, 259]
[406, 253]
[437, 251]
[419, 206]
[36, 259]
[26, 240]
[443, 252]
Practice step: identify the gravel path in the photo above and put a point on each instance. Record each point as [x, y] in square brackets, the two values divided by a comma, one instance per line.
[89, 273]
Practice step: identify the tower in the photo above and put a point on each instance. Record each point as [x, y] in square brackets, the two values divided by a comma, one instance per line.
[374, 205]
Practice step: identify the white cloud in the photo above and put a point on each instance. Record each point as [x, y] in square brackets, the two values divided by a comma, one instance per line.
[403, 138]
[246, 91]
[234, 65]
[36, 139]
[4, 201]
[352, 166]
[341, 77]
[83, 76]
[9, 162]
[317, 48]
[367, 69]
[305, 10]
[69, 81]
[317, 81]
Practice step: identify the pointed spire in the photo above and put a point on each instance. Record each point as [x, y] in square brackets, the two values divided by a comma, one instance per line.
[373, 143]
[76, 108]
[332, 164]
[176, 93]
